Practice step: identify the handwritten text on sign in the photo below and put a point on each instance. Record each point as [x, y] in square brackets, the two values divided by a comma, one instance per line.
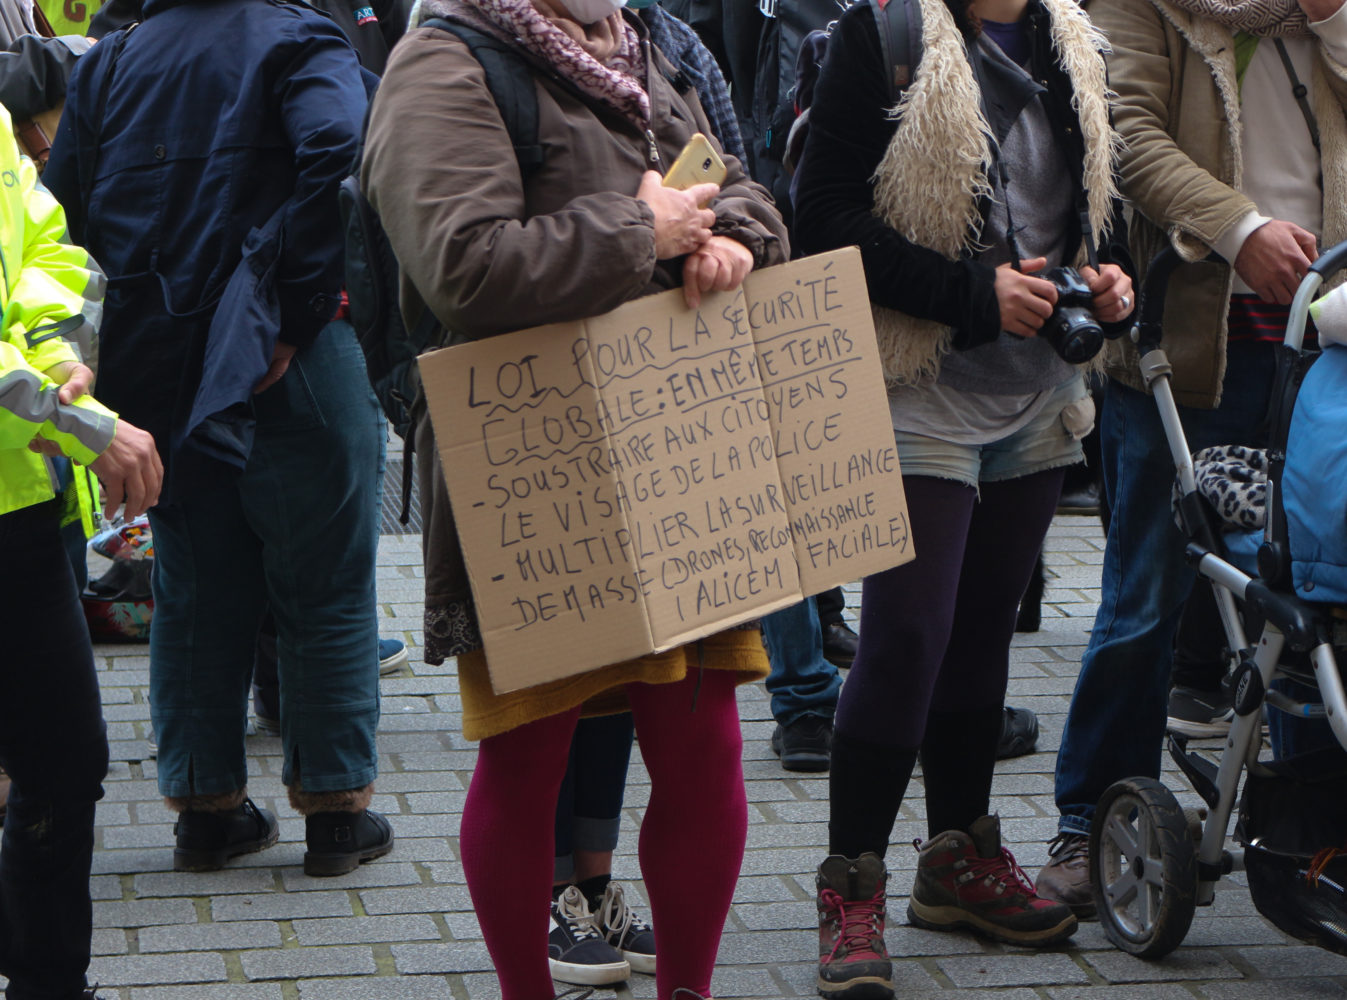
[634, 481]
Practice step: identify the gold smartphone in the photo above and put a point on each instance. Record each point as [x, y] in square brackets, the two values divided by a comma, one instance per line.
[698, 163]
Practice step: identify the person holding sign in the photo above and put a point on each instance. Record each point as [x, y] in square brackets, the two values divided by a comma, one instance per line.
[491, 241]
[995, 164]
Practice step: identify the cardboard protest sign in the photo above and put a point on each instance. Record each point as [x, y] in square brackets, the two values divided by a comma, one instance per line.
[632, 482]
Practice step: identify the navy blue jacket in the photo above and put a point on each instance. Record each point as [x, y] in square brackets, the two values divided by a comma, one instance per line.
[221, 116]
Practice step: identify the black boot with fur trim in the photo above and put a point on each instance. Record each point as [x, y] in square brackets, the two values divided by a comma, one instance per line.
[341, 829]
[211, 829]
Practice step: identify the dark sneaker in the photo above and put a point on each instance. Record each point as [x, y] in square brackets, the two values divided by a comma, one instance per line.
[1019, 733]
[619, 925]
[805, 744]
[970, 880]
[576, 950]
[207, 840]
[1199, 714]
[839, 644]
[853, 963]
[392, 655]
[1066, 876]
[339, 842]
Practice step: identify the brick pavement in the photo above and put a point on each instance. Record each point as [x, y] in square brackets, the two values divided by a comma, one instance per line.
[403, 928]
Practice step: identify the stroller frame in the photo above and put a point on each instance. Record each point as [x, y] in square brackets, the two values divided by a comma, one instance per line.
[1151, 862]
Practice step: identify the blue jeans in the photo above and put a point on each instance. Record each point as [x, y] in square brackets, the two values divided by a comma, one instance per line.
[1116, 723]
[589, 805]
[802, 682]
[297, 530]
[54, 746]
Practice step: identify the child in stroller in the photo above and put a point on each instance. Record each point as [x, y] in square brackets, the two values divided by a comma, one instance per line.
[1283, 582]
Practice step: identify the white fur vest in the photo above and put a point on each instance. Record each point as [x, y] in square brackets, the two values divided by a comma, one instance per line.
[935, 171]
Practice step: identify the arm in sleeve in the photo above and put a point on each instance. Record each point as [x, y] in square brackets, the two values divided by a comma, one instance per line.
[34, 72]
[1161, 180]
[441, 171]
[744, 208]
[323, 104]
[55, 304]
[848, 135]
[29, 407]
[56, 301]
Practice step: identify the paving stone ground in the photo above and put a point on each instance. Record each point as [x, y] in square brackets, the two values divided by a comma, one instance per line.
[403, 928]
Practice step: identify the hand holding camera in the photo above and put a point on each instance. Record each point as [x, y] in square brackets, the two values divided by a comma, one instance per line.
[1062, 305]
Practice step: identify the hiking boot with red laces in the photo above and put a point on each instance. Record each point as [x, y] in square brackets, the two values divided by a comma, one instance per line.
[970, 880]
[853, 963]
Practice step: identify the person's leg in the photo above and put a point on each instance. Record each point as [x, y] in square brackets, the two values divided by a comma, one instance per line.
[963, 727]
[506, 843]
[692, 837]
[267, 679]
[600, 753]
[803, 686]
[906, 616]
[830, 603]
[53, 743]
[208, 603]
[839, 639]
[311, 492]
[1115, 725]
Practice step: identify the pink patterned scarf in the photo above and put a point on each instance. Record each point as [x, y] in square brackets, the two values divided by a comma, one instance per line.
[604, 59]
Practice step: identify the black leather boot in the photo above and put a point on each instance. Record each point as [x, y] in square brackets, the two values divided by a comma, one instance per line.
[340, 841]
[206, 840]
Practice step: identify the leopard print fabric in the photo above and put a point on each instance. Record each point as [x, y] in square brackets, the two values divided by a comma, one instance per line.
[1233, 479]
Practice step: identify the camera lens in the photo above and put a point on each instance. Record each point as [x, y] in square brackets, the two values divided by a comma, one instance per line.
[1074, 334]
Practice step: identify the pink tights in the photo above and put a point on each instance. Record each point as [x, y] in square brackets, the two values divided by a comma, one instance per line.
[692, 838]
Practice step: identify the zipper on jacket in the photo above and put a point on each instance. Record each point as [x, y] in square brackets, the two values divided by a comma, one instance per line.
[654, 147]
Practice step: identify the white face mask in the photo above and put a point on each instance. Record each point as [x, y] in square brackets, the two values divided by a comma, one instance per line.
[590, 11]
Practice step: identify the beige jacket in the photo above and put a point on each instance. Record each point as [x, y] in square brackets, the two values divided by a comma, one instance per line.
[1178, 112]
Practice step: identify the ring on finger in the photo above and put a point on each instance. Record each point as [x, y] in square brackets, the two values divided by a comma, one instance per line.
[1126, 303]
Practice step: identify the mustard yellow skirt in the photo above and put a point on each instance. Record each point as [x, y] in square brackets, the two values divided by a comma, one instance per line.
[602, 691]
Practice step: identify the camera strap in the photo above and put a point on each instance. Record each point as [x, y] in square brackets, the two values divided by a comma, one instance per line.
[1003, 175]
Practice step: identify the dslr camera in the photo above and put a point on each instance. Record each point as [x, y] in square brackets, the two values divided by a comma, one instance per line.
[1072, 330]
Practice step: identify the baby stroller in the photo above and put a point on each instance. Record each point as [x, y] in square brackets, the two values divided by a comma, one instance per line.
[1151, 862]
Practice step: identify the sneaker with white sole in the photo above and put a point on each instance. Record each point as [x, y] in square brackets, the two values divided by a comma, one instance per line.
[392, 655]
[624, 930]
[576, 951]
[1199, 714]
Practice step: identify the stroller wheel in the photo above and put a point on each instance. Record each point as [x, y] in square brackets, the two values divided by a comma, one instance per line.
[1143, 867]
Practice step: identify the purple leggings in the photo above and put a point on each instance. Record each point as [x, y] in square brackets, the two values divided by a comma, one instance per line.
[935, 632]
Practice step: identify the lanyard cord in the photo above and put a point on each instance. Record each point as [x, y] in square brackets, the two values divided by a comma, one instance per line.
[1003, 174]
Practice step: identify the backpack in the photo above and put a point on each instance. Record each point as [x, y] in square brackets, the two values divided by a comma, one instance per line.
[899, 24]
[372, 286]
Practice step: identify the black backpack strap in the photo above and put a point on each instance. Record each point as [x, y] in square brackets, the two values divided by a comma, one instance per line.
[899, 24]
[511, 83]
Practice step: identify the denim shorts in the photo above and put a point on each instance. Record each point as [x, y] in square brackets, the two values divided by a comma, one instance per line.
[1049, 441]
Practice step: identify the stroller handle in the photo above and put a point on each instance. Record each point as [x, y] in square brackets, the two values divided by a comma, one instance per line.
[1147, 332]
[1329, 263]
